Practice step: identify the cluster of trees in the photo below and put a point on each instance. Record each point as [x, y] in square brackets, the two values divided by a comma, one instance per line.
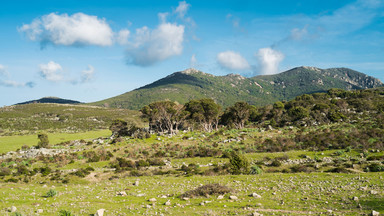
[203, 114]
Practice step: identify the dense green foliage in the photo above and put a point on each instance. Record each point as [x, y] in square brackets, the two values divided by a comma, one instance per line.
[227, 90]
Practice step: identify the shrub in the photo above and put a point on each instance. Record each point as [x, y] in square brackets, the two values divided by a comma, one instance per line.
[51, 193]
[13, 180]
[65, 213]
[17, 214]
[44, 142]
[276, 163]
[375, 167]
[239, 164]
[255, 170]
[205, 190]
[5, 171]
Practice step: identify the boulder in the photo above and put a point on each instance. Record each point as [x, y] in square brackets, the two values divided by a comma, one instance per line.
[233, 197]
[100, 212]
[375, 213]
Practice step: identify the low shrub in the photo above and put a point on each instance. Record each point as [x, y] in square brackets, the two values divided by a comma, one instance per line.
[50, 193]
[206, 190]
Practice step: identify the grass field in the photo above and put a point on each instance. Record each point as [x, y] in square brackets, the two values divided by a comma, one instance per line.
[281, 194]
[12, 143]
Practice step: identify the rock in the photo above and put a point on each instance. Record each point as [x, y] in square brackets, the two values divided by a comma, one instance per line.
[233, 197]
[100, 212]
[152, 200]
[140, 195]
[355, 198]
[163, 196]
[256, 214]
[121, 193]
[220, 197]
[13, 209]
[269, 127]
[329, 211]
[136, 183]
[374, 192]
[202, 203]
[39, 211]
[375, 213]
[167, 203]
[185, 198]
[255, 195]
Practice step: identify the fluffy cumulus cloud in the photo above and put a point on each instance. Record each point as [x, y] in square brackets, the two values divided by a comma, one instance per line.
[152, 46]
[51, 71]
[269, 60]
[76, 30]
[87, 75]
[232, 61]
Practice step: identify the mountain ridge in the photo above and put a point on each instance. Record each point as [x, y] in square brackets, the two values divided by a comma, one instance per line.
[183, 86]
[51, 99]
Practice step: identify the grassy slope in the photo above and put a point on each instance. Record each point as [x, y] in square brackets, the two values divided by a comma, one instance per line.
[227, 90]
[31, 118]
[12, 143]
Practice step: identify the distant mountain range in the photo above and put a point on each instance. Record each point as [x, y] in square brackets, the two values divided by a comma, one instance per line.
[51, 100]
[226, 90]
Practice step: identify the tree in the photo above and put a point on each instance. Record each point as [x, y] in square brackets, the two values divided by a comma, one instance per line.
[43, 140]
[122, 128]
[239, 164]
[298, 113]
[238, 114]
[164, 116]
[204, 112]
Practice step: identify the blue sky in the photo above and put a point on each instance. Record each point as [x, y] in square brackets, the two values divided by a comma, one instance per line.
[92, 50]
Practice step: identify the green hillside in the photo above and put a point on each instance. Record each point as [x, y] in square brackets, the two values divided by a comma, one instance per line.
[226, 90]
[64, 118]
[51, 100]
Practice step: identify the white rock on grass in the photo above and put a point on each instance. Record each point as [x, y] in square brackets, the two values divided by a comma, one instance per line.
[39, 211]
[121, 193]
[100, 212]
[375, 213]
[167, 203]
[152, 200]
[220, 197]
[233, 197]
[13, 209]
[255, 195]
[256, 214]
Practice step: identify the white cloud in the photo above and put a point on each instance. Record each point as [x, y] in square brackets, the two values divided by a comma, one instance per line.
[10, 83]
[76, 30]
[152, 46]
[269, 60]
[232, 60]
[163, 17]
[182, 9]
[3, 71]
[193, 61]
[298, 34]
[87, 75]
[122, 36]
[51, 71]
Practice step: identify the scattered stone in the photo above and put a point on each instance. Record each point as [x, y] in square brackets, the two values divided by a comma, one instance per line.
[140, 195]
[256, 214]
[167, 203]
[233, 197]
[136, 183]
[121, 193]
[152, 200]
[13, 209]
[220, 197]
[374, 192]
[329, 211]
[185, 198]
[163, 196]
[100, 212]
[39, 211]
[355, 198]
[255, 195]
[202, 203]
[375, 213]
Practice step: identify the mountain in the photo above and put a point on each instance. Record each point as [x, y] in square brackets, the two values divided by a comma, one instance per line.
[226, 90]
[51, 100]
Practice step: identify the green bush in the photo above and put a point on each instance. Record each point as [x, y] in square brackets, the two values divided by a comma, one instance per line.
[255, 170]
[239, 164]
[51, 193]
[65, 213]
[44, 142]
